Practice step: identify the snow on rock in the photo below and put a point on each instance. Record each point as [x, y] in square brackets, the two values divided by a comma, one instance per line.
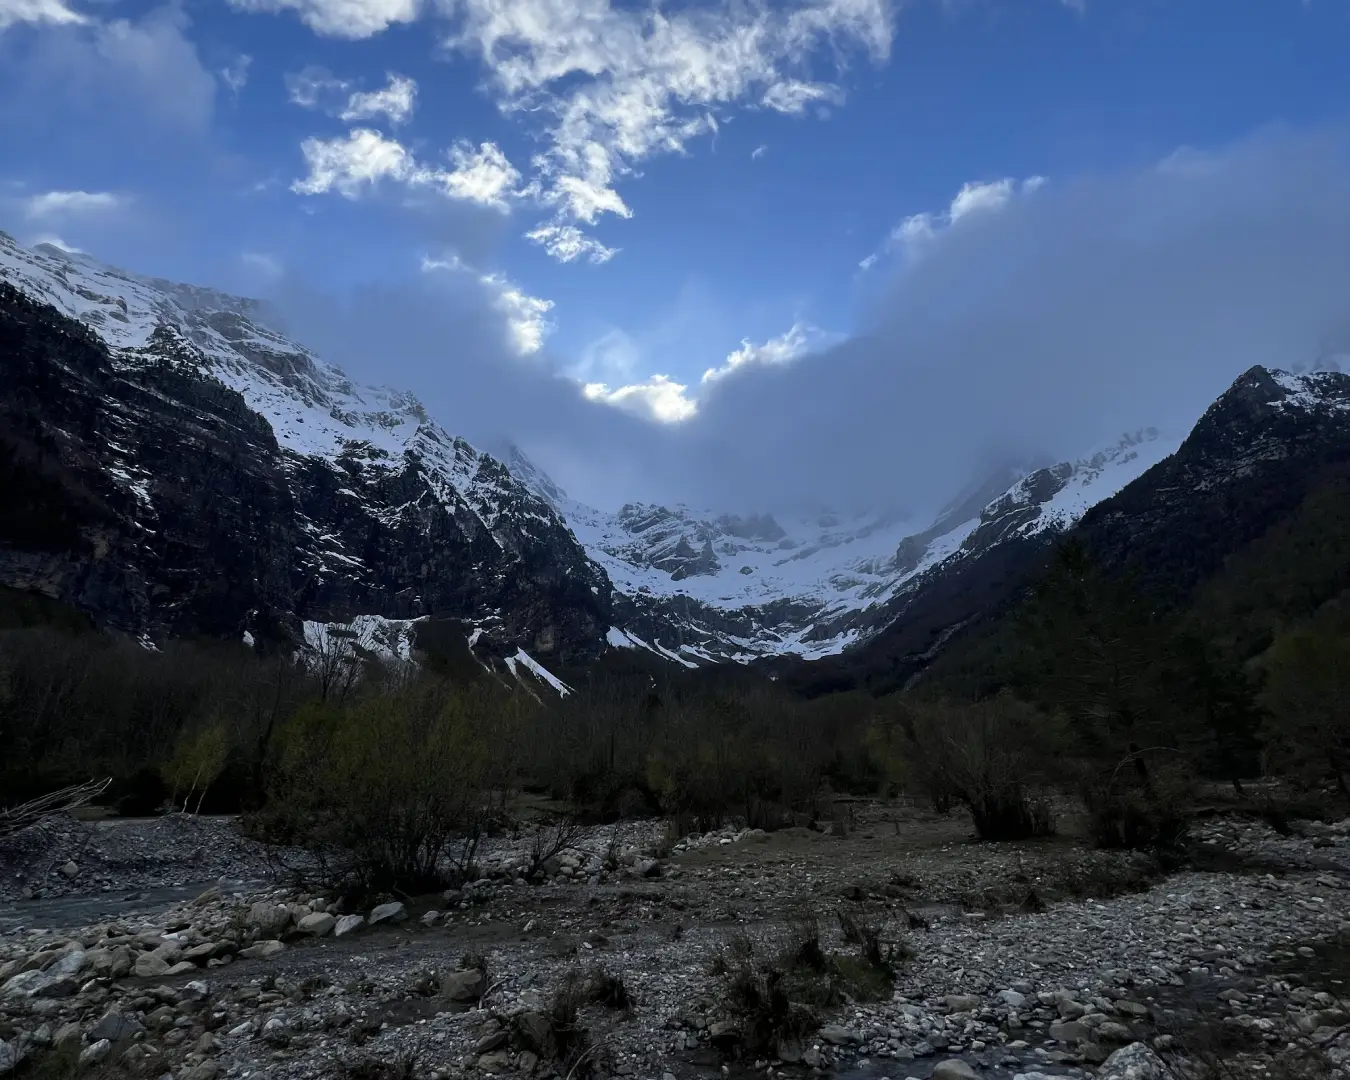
[530, 664]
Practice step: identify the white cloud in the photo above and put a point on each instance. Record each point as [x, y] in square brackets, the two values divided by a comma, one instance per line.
[800, 339]
[363, 158]
[792, 96]
[395, 101]
[617, 86]
[54, 204]
[660, 398]
[526, 316]
[55, 241]
[351, 19]
[567, 243]
[235, 74]
[758, 152]
[53, 12]
[263, 264]
[481, 175]
[346, 165]
[974, 199]
[120, 73]
[311, 85]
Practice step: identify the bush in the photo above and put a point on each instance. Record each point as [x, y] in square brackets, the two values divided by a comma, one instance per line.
[1138, 811]
[396, 790]
[986, 756]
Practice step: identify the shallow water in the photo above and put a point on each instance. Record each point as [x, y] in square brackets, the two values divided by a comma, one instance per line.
[63, 912]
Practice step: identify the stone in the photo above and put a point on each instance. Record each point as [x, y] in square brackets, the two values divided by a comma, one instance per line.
[318, 924]
[1069, 1031]
[1134, 1062]
[181, 968]
[11, 1054]
[348, 924]
[391, 912]
[789, 1051]
[527, 1061]
[954, 1069]
[494, 1040]
[149, 965]
[464, 986]
[24, 984]
[1012, 998]
[70, 871]
[206, 1070]
[94, 1053]
[276, 1031]
[200, 954]
[536, 1033]
[72, 963]
[270, 920]
[1113, 1032]
[66, 1033]
[262, 950]
[963, 1002]
[647, 868]
[431, 918]
[838, 1035]
[113, 1025]
[724, 1034]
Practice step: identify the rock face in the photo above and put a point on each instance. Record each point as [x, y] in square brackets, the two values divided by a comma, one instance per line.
[174, 467]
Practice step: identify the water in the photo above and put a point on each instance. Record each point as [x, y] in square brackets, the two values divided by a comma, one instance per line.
[69, 912]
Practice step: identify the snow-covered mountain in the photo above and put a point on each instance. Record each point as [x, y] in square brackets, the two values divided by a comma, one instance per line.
[740, 587]
[241, 484]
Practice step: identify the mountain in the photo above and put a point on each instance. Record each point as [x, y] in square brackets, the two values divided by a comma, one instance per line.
[1262, 459]
[179, 467]
[183, 469]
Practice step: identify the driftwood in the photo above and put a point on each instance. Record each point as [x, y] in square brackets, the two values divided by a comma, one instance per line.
[39, 810]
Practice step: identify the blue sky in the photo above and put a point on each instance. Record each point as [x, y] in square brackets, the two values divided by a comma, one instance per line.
[640, 194]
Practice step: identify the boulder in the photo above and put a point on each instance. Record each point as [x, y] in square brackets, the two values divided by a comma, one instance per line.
[318, 924]
[270, 920]
[94, 1053]
[963, 1002]
[954, 1069]
[838, 1035]
[348, 924]
[262, 950]
[70, 871]
[462, 987]
[535, 1033]
[148, 965]
[1069, 1031]
[113, 1026]
[393, 912]
[1134, 1062]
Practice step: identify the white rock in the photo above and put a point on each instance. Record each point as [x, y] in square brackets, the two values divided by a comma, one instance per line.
[348, 924]
[391, 912]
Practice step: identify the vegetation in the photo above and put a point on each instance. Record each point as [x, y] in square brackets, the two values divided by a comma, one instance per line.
[1089, 687]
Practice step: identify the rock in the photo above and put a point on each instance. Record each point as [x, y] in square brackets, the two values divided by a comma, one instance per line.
[94, 1053]
[72, 963]
[1069, 1031]
[70, 871]
[954, 1069]
[10, 1056]
[24, 984]
[276, 1031]
[318, 924]
[431, 918]
[113, 1026]
[262, 950]
[196, 990]
[837, 1035]
[527, 1061]
[206, 1070]
[464, 986]
[391, 912]
[181, 968]
[495, 1062]
[789, 1051]
[963, 1002]
[270, 920]
[1134, 1062]
[66, 1033]
[1012, 998]
[200, 954]
[724, 1034]
[535, 1033]
[348, 924]
[1113, 1032]
[494, 1040]
[149, 964]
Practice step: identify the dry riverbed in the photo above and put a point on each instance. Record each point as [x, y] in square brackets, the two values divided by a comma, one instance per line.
[1044, 959]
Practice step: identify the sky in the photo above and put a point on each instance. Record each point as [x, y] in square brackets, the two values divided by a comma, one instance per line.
[741, 253]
